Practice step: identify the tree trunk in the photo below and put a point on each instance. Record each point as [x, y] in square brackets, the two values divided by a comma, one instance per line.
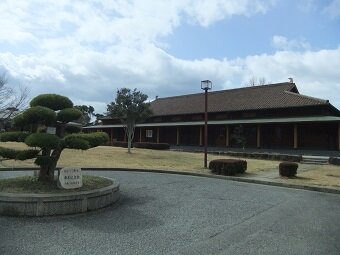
[130, 131]
[46, 173]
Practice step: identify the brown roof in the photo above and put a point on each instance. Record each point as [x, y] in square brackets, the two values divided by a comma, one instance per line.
[272, 96]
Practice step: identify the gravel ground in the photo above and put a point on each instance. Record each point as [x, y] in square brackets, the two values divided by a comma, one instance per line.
[175, 214]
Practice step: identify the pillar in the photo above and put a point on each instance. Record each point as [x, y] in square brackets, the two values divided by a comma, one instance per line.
[201, 132]
[295, 136]
[177, 143]
[140, 135]
[227, 144]
[258, 136]
[158, 135]
[124, 135]
[111, 136]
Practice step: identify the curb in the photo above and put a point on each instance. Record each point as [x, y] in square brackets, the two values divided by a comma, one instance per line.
[221, 177]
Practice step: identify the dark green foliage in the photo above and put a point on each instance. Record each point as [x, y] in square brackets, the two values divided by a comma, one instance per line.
[19, 121]
[52, 101]
[27, 154]
[228, 166]
[8, 153]
[43, 160]
[76, 142]
[18, 154]
[68, 115]
[152, 146]
[13, 136]
[334, 161]
[288, 169]
[39, 115]
[72, 129]
[93, 139]
[43, 140]
[120, 144]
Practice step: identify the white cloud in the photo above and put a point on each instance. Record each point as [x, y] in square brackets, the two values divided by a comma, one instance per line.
[86, 50]
[333, 9]
[282, 43]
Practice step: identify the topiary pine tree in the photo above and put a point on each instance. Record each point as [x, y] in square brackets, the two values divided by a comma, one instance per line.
[48, 112]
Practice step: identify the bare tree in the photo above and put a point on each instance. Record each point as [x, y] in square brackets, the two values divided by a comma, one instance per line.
[254, 81]
[12, 100]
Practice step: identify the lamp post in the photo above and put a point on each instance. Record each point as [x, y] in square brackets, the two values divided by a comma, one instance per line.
[206, 85]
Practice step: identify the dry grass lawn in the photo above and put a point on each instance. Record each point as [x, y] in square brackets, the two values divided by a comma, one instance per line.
[104, 156]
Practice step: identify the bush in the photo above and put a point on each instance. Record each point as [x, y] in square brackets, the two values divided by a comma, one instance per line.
[75, 142]
[120, 144]
[334, 161]
[27, 154]
[38, 115]
[52, 101]
[94, 139]
[152, 146]
[8, 153]
[68, 114]
[228, 166]
[288, 169]
[13, 136]
[43, 140]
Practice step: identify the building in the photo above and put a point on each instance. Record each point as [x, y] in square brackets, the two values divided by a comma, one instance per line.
[274, 116]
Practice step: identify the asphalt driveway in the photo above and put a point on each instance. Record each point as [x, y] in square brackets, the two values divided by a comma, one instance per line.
[176, 214]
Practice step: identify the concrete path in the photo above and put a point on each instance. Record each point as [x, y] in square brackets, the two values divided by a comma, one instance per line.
[175, 214]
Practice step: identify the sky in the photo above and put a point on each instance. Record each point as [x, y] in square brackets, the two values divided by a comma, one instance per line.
[86, 50]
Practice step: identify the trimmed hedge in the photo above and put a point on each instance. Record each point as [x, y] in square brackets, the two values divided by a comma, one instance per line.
[120, 144]
[334, 161]
[17, 154]
[93, 139]
[43, 140]
[228, 166]
[288, 169]
[152, 146]
[52, 101]
[13, 136]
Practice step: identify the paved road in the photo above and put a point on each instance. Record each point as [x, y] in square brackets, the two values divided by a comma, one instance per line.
[174, 214]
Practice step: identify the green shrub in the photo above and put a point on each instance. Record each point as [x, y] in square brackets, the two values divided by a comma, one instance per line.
[27, 154]
[13, 136]
[76, 142]
[228, 166]
[288, 169]
[69, 114]
[72, 129]
[42, 160]
[39, 115]
[121, 144]
[8, 153]
[52, 101]
[152, 146]
[94, 139]
[334, 161]
[43, 140]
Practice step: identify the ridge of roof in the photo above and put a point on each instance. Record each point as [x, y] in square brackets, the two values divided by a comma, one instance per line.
[307, 97]
[233, 89]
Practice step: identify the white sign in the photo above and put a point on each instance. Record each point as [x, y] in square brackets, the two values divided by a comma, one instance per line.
[51, 130]
[70, 178]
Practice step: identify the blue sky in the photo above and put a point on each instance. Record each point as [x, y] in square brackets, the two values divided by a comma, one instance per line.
[88, 49]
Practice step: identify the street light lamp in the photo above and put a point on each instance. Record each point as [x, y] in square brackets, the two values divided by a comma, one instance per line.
[206, 85]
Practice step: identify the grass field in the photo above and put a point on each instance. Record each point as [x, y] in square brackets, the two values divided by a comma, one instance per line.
[106, 156]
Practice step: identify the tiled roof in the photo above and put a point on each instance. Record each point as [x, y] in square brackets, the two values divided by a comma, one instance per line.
[272, 96]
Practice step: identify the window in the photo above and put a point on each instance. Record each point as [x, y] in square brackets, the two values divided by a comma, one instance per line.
[148, 133]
